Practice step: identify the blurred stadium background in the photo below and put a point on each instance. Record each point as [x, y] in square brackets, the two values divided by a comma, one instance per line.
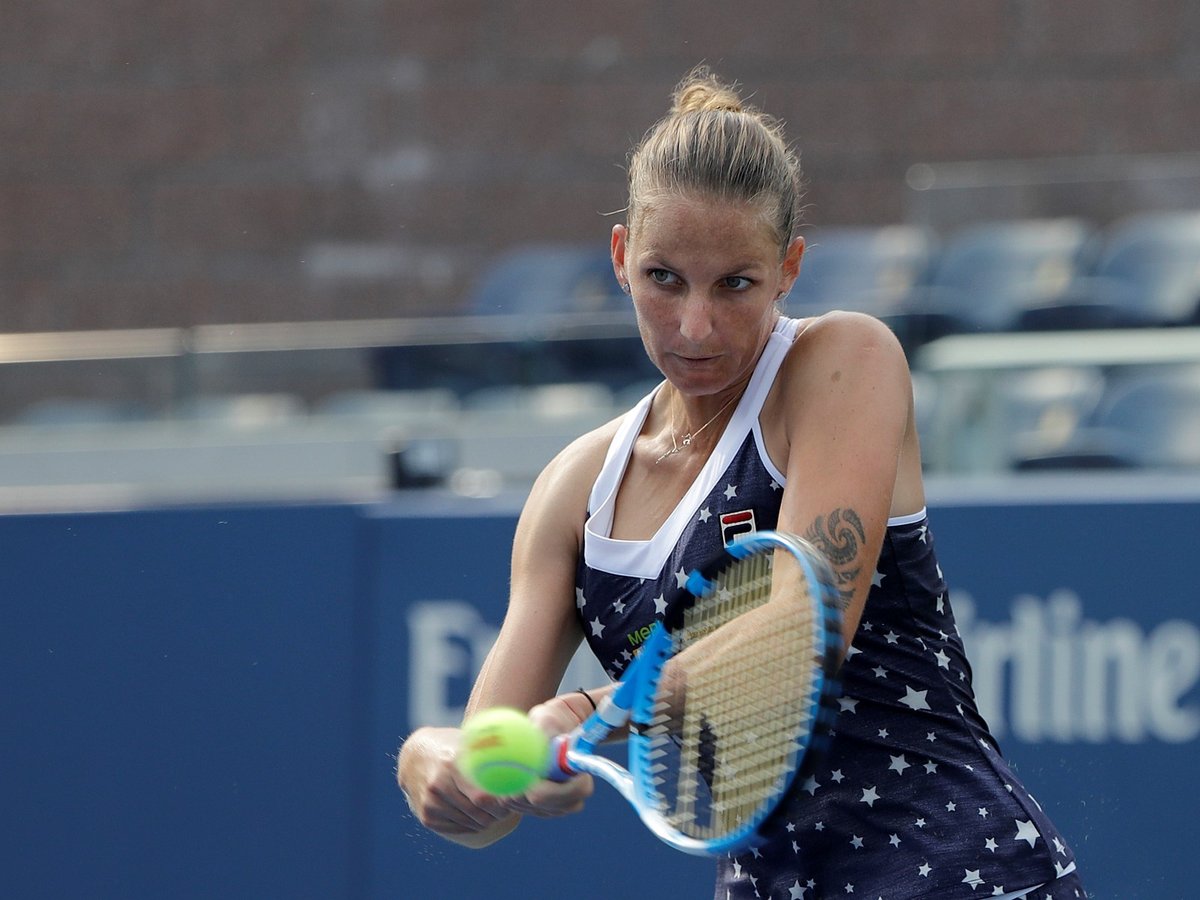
[306, 265]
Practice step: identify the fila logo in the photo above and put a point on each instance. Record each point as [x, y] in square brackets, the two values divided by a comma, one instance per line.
[735, 524]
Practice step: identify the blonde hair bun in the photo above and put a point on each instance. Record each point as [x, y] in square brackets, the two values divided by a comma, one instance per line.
[701, 91]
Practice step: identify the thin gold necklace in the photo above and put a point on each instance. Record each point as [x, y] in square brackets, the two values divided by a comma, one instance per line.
[687, 439]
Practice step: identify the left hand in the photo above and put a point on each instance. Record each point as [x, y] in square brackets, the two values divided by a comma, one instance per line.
[550, 799]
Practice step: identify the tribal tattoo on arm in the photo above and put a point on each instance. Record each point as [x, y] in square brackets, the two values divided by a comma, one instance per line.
[840, 536]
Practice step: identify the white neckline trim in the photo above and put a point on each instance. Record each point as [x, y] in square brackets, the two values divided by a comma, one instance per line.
[645, 559]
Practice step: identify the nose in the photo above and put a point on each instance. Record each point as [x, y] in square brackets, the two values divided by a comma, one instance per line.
[695, 317]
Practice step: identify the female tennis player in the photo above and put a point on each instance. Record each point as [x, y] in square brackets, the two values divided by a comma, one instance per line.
[762, 422]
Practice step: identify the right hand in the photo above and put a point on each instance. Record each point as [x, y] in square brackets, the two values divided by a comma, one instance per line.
[441, 798]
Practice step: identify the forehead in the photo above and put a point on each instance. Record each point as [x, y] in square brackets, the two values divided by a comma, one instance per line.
[675, 224]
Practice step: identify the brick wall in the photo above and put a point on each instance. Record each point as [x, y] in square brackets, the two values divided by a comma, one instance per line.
[175, 162]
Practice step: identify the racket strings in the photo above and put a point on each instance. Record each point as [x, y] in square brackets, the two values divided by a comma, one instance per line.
[728, 746]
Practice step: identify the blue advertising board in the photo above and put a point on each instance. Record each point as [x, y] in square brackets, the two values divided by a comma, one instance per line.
[208, 701]
[1081, 620]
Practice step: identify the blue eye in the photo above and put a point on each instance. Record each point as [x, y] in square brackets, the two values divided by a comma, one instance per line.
[738, 282]
[662, 276]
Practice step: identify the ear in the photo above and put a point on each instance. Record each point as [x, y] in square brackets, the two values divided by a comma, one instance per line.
[791, 264]
[620, 240]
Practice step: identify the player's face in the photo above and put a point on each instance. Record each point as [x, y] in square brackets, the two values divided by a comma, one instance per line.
[705, 276]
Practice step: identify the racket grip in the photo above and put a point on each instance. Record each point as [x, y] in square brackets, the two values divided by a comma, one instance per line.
[559, 768]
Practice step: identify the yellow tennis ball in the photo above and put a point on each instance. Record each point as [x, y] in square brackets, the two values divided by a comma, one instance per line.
[502, 752]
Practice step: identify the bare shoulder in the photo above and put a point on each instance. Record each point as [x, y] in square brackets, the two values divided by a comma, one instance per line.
[841, 360]
[841, 332]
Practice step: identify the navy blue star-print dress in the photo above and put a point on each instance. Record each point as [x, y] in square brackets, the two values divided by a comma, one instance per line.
[915, 798]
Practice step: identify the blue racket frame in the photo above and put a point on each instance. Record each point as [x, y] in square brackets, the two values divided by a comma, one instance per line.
[632, 701]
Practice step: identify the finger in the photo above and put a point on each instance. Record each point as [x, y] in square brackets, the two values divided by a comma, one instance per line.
[550, 799]
[448, 807]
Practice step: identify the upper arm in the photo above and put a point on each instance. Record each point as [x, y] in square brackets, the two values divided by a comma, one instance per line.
[540, 632]
[845, 406]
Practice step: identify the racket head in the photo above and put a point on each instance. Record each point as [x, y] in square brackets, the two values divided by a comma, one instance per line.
[737, 694]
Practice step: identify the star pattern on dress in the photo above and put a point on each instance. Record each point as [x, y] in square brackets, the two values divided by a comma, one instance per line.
[1026, 831]
[875, 826]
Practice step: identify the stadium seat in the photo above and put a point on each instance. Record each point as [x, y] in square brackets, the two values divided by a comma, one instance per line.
[1148, 274]
[1146, 420]
[1043, 410]
[987, 274]
[869, 269]
[549, 278]
[530, 281]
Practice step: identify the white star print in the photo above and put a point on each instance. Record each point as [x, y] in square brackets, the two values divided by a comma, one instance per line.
[998, 891]
[856, 842]
[951, 806]
[880, 672]
[705, 515]
[899, 764]
[894, 840]
[730, 491]
[660, 605]
[597, 628]
[580, 602]
[892, 637]
[983, 813]
[1026, 831]
[923, 870]
[877, 579]
[930, 767]
[1060, 847]
[847, 704]
[795, 892]
[914, 699]
[618, 607]
[681, 578]
[924, 532]
[775, 485]
[990, 844]
[972, 878]
[920, 823]
[811, 786]
[836, 775]
[869, 796]
[942, 659]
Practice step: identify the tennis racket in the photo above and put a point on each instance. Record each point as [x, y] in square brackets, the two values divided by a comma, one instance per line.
[730, 698]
